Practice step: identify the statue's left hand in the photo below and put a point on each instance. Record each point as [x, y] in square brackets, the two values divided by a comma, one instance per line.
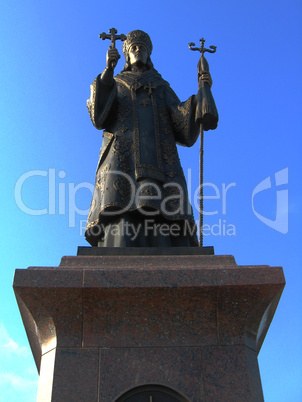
[206, 77]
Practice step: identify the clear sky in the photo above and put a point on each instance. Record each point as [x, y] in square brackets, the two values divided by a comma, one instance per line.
[50, 55]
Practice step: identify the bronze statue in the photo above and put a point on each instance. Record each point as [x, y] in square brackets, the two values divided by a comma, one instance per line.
[140, 197]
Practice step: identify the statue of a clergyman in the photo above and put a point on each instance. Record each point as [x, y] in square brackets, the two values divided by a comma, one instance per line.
[140, 197]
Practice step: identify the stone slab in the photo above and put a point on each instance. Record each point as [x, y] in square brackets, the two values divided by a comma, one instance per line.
[231, 373]
[177, 368]
[76, 375]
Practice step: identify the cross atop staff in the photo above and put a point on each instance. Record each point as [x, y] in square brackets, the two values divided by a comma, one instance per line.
[202, 49]
[207, 114]
[112, 36]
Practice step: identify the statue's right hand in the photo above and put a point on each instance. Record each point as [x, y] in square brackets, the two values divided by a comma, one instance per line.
[112, 58]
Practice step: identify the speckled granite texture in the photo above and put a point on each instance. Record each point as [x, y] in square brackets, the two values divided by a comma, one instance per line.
[99, 326]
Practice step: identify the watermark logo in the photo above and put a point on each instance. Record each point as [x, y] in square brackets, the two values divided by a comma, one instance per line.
[63, 199]
[56, 195]
[280, 223]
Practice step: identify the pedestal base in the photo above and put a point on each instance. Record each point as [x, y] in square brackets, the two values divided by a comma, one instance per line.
[191, 325]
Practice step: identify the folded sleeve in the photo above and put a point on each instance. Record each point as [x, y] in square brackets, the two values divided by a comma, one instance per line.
[101, 101]
[182, 117]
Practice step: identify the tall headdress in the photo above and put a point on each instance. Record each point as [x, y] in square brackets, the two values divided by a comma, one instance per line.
[137, 37]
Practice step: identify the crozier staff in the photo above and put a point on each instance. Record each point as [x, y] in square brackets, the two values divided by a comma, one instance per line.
[140, 197]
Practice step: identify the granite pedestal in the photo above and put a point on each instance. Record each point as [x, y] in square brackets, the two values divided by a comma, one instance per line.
[101, 325]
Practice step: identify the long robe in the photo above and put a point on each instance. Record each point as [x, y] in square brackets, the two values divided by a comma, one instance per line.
[139, 172]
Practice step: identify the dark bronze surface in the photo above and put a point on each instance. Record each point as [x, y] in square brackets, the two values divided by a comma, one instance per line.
[146, 251]
[139, 176]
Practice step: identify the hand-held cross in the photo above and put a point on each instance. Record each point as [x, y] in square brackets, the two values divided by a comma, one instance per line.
[113, 37]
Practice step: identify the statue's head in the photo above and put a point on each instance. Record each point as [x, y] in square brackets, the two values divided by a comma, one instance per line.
[137, 49]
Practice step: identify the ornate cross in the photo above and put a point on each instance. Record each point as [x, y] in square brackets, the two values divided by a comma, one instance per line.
[202, 49]
[145, 102]
[113, 37]
[149, 87]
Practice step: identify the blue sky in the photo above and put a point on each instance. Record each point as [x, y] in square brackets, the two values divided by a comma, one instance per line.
[50, 55]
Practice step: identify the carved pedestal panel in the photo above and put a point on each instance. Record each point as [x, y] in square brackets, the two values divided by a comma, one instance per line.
[148, 327]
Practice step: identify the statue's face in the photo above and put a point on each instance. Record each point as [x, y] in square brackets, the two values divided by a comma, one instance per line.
[138, 54]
